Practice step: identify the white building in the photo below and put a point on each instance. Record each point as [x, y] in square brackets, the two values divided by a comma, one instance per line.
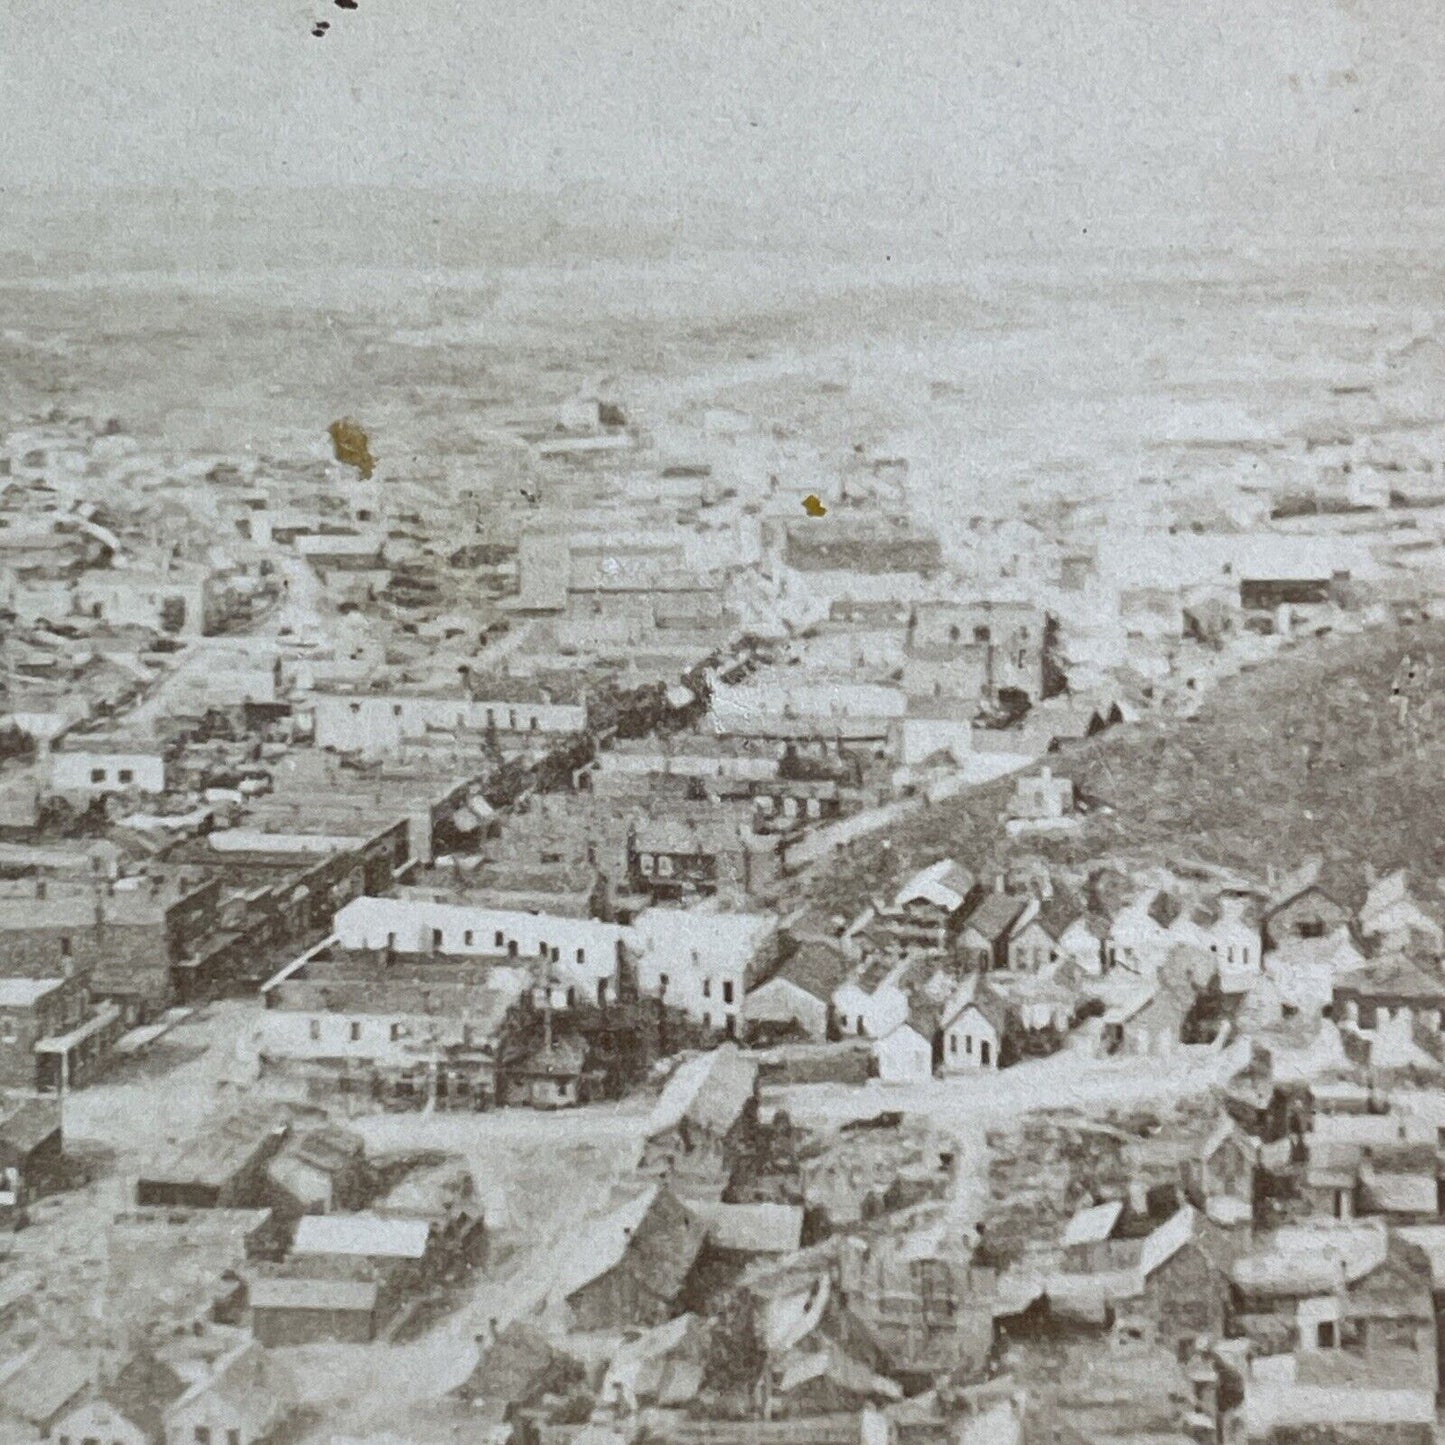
[97, 772]
[581, 952]
[702, 961]
[904, 1056]
[869, 1006]
[973, 1036]
[375, 723]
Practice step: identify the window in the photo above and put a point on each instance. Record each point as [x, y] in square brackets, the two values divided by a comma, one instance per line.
[233, 1437]
[983, 1052]
[396, 709]
[581, 955]
[97, 775]
[499, 940]
[315, 1029]
[707, 988]
[1325, 1334]
[355, 708]
[468, 938]
[127, 775]
[980, 634]
[533, 723]
[64, 946]
[953, 633]
[727, 990]
[860, 1026]
[203, 1435]
[511, 948]
[355, 1030]
[968, 1045]
[1312, 928]
[436, 938]
[662, 983]
[953, 1045]
[395, 1032]
[664, 866]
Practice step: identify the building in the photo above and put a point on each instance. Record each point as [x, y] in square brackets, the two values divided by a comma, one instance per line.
[1042, 797]
[904, 1055]
[703, 962]
[128, 1408]
[376, 723]
[87, 768]
[40, 1386]
[32, 1009]
[705, 1117]
[31, 1150]
[973, 1037]
[304, 1311]
[928, 911]
[628, 1267]
[797, 999]
[986, 940]
[578, 953]
[129, 939]
[221, 1168]
[243, 1400]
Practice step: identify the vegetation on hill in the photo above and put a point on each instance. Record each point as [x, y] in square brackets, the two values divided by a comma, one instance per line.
[1303, 756]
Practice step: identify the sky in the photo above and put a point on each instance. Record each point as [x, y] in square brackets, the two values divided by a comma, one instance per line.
[1122, 105]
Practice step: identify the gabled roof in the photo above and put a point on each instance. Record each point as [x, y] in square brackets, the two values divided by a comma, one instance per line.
[817, 967]
[662, 1236]
[710, 1090]
[945, 883]
[996, 915]
[30, 1124]
[37, 1385]
[142, 1390]
[1093, 1224]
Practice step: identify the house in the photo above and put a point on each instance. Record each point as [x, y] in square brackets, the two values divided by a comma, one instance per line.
[974, 1036]
[243, 1400]
[518, 1368]
[128, 938]
[873, 1002]
[1308, 913]
[705, 1116]
[798, 997]
[40, 1385]
[990, 927]
[550, 1077]
[1390, 917]
[401, 1255]
[128, 1408]
[1391, 990]
[31, 1150]
[1228, 926]
[905, 1056]
[703, 961]
[33, 1009]
[222, 1168]
[1305, 969]
[742, 1231]
[319, 1171]
[927, 912]
[304, 1311]
[1151, 1024]
[1342, 1323]
[628, 1267]
[1042, 797]
[92, 771]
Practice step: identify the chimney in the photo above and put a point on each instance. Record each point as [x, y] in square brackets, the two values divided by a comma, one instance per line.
[998, 882]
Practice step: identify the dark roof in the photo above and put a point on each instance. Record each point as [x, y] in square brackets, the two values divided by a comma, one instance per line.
[141, 1391]
[996, 914]
[1165, 908]
[25, 1128]
[520, 1367]
[1059, 910]
[1393, 977]
[817, 967]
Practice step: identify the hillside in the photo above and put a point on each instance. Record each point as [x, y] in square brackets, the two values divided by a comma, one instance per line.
[1302, 756]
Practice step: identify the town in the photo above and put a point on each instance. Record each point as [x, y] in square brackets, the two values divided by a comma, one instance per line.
[686, 943]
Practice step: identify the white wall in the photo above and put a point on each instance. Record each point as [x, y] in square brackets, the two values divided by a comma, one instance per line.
[76, 772]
